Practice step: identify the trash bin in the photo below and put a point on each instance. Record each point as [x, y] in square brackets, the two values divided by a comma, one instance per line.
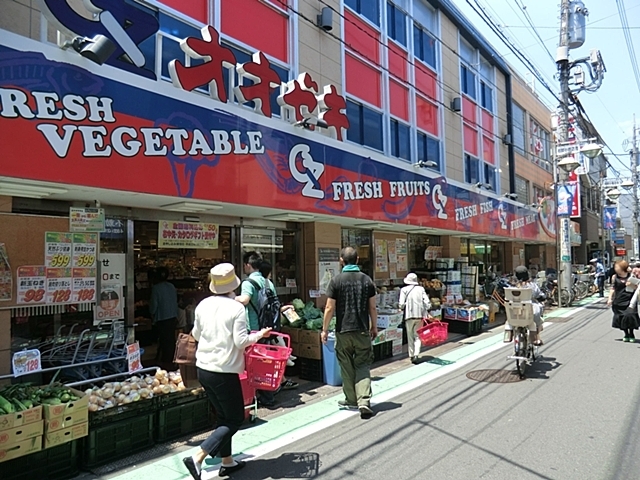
[330, 360]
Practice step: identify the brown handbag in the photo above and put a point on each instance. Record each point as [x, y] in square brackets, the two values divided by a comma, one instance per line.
[186, 347]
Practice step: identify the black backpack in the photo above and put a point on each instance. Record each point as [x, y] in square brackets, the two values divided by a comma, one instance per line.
[268, 308]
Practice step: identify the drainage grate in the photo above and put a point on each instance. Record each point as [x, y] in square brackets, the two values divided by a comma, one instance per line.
[494, 376]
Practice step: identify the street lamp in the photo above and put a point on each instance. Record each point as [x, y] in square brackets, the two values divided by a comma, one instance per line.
[568, 164]
[628, 183]
[591, 150]
[614, 194]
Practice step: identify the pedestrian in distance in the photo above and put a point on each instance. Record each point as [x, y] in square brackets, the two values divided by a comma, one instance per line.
[415, 304]
[635, 271]
[620, 296]
[599, 275]
[352, 298]
[220, 328]
[163, 306]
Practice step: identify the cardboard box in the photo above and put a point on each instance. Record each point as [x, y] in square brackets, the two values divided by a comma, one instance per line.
[20, 434]
[450, 313]
[313, 352]
[17, 419]
[51, 439]
[31, 445]
[309, 337]
[381, 338]
[66, 421]
[396, 349]
[294, 333]
[389, 320]
[394, 334]
[54, 411]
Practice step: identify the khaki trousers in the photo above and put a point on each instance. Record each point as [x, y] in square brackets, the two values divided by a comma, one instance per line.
[412, 325]
[355, 355]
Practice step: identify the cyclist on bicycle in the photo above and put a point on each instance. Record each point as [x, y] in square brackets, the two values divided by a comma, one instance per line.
[524, 281]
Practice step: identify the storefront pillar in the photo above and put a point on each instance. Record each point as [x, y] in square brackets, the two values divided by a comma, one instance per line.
[5, 204]
[451, 247]
[317, 236]
[515, 256]
[5, 342]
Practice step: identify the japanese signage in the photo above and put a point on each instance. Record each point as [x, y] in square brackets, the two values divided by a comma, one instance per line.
[57, 249]
[206, 150]
[113, 228]
[569, 199]
[133, 357]
[26, 362]
[113, 278]
[328, 266]
[59, 285]
[187, 235]
[31, 283]
[84, 285]
[86, 219]
[84, 250]
[6, 278]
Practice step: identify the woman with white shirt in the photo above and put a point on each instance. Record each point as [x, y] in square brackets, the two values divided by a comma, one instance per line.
[415, 303]
[220, 329]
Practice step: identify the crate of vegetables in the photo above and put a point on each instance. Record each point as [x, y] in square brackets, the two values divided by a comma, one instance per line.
[19, 406]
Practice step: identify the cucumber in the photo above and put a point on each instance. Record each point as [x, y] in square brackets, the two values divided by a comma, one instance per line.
[6, 405]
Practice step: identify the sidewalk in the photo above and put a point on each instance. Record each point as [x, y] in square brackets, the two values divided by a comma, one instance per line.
[314, 406]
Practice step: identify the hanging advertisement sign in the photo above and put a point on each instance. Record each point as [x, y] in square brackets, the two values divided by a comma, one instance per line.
[6, 277]
[133, 357]
[26, 362]
[110, 305]
[31, 283]
[84, 285]
[57, 249]
[188, 235]
[328, 266]
[59, 285]
[86, 219]
[569, 199]
[84, 250]
[610, 213]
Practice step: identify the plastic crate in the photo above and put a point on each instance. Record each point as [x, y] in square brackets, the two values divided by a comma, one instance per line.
[310, 369]
[184, 419]
[179, 398]
[118, 439]
[122, 412]
[382, 351]
[465, 328]
[56, 463]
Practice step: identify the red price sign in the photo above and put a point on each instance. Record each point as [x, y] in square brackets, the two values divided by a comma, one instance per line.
[35, 296]
[26, 362]
[61, 296]
[85, 295]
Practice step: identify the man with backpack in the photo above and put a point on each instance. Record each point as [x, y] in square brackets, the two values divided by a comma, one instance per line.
[258, 295]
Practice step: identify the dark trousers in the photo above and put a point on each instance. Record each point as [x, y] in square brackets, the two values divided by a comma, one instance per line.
[166, 341]
[225, 394]
[600, 282]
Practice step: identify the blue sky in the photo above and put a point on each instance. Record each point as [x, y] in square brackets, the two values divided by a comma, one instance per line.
[612, 107]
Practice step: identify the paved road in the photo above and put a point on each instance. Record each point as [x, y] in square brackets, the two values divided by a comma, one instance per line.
[575, 417]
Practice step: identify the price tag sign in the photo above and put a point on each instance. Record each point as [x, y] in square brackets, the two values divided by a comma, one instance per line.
[84, 250]
[26, 362]
[84, 285]
[315, 294]
[31, 284]
[133, 357]
[59, 285]
[57, 249]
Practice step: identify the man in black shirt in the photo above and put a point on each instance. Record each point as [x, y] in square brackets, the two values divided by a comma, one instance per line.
[352, 298]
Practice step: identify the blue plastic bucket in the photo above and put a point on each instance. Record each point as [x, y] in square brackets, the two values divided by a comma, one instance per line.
[331, 368]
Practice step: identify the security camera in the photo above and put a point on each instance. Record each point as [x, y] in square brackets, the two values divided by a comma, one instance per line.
[325, 19]
[97, 49]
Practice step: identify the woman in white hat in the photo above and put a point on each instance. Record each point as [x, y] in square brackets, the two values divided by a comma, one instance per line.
[221, 331]
[415, 303]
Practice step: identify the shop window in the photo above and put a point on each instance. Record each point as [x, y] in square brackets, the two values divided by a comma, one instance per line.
[486, 96]
[468, 81]
[400, 140]
[428, 149]
[490, 176]
[360, 240]
[365, 125]
[538, 142]
[369, 9]
[471, 169]
[518, 129]
[418, 245]
[396, 24]
[424, 46]
[538, 194]
[522, 189]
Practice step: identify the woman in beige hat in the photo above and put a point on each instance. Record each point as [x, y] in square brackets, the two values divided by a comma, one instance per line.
[415, 304]
[221, 331]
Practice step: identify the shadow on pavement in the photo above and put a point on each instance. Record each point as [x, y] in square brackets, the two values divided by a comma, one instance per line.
[287, 465]
[434, 360]
[541, 367]
[385, 407]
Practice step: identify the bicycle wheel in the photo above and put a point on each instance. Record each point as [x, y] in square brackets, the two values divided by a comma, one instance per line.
[520, 346]
[566, 297]
[583, 289]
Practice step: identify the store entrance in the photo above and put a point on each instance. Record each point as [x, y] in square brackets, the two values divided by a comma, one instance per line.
[188, 271]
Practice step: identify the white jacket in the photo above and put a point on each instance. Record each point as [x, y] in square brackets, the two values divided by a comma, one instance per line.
[414, 301]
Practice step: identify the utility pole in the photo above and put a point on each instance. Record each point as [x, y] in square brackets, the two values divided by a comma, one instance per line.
[634, 179]
[562, 230]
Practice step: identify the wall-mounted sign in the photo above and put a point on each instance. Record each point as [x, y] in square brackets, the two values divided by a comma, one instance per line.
[187, 235]
[86, 219]
[57, 249]
[31, 284]
[26, 362]
[6, 277]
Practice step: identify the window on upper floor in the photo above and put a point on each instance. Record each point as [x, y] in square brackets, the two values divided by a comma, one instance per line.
[424, 46]
[472, 173]
[490, 176]
[487, 80]
[468, 81]
[538, 143]
[428, 150]
[486, 96]
[522, 189]
[400, 140]
[365, 125]
[538, 194]
[396, 24]
[369, 9]
[518, 129]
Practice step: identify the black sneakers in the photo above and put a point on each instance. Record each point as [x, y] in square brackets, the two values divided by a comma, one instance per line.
[365, 412]
[192, 467]
[226, 471]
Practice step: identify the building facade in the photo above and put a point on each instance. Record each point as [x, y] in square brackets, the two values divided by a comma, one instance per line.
[209, 128]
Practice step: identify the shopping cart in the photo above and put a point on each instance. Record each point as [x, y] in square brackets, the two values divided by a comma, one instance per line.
[266, 364]
[434, 333]
[250, 398]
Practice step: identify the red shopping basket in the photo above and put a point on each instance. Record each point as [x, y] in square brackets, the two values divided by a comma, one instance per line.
[434, 333]
[266, 364]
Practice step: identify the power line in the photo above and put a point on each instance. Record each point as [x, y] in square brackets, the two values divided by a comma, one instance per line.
[627, 36]
[535, 31]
